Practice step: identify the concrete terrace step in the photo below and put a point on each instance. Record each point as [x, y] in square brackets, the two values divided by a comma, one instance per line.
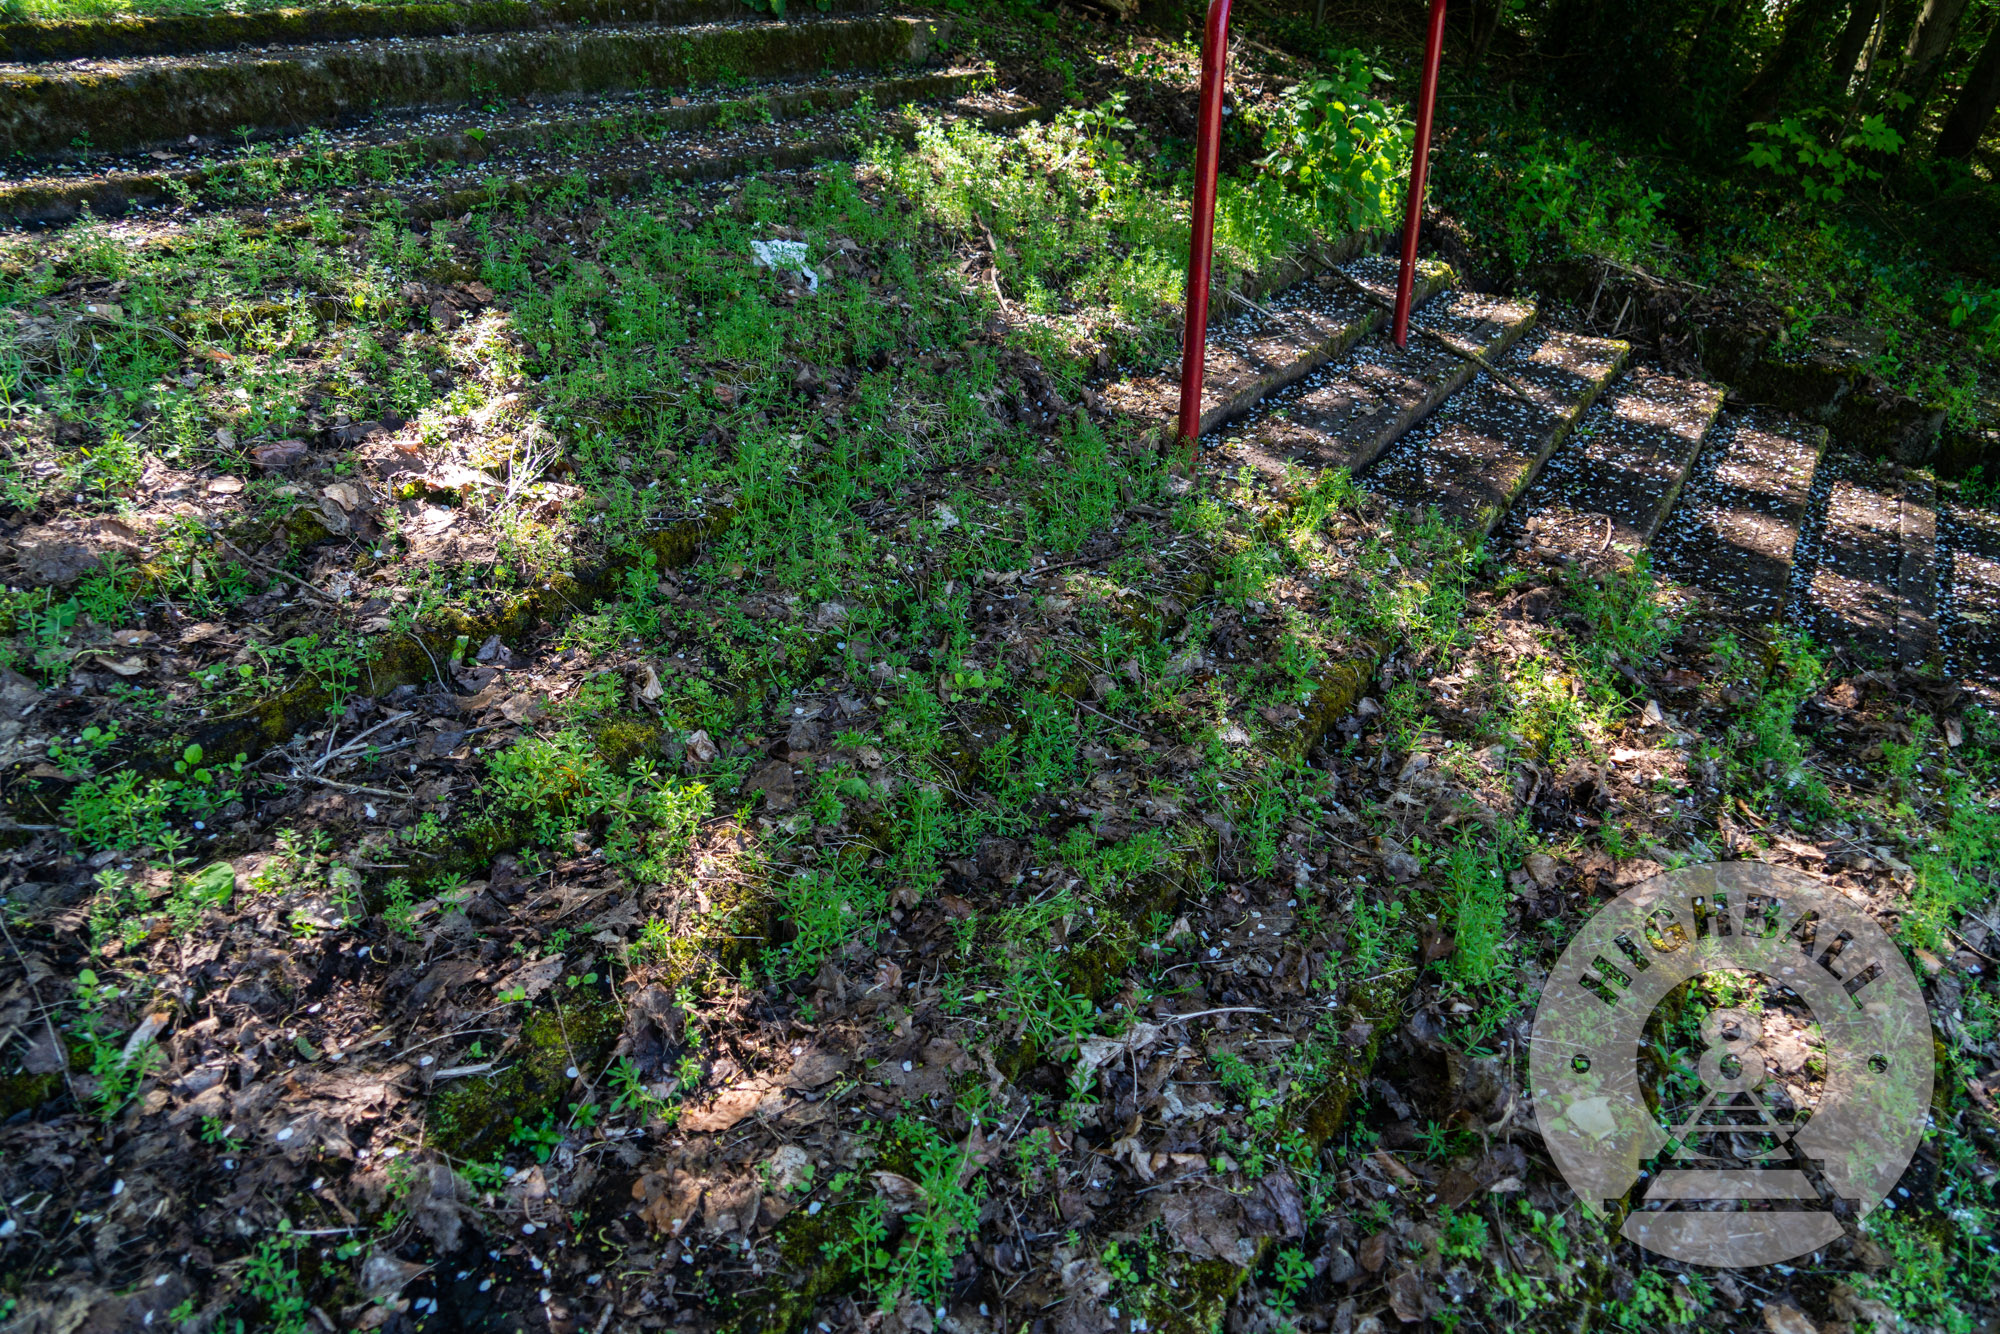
[1865, 578]
[633, 169]
[1347, 413]
[1262, 350]
[1737, 526]
[120, 106]
[1969, 620]
[676, 133]
[113, 35]
[1608, 491]
[1481, 451]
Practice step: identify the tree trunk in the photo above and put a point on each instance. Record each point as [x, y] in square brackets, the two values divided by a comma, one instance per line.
[1924, 57]
[1853, 39]
[1795, 60]
[1969, 117]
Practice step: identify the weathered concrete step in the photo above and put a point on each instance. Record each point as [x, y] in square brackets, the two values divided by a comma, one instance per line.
[636, 170]
[1346, 414]
[1969, 619]
[390, 148]
[1261, 351]
[1734, 533]
[112, 35]
[1607, 492]
[1866, 572]
[129, 105]
[1481, 451]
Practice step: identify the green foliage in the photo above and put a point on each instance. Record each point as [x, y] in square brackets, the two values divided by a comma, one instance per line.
[1767, 757]
[115, 1076]
[1953, 867]
[271, 1282]
[561, 785]
[1809, 152]
[1976, 310]
[1340, 146]
[1096, 235]
[118, 811]
[1624, 619]
[1543, 193]
[1939, 1269]
[1477, 894]
[937, 1222]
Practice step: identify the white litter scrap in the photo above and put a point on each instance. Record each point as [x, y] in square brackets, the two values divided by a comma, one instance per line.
[786, 255]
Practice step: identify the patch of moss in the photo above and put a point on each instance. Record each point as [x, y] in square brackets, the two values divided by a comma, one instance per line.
[473, 1118]
[24, 1092]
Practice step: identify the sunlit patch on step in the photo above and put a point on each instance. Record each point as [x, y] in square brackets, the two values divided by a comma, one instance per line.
[1733, 534]
[1476, 457]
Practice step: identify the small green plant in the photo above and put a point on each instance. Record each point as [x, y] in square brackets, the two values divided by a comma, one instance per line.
[115, 1073]
[1290, 1273]
[271, 1281]
[1767, 755]
[215, 1131]
[398, 912]
[936, 1223]
[539, 1139]
[1477, 892]
[76, 758]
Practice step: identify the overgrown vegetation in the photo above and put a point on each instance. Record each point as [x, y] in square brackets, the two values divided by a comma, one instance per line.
[744, 782]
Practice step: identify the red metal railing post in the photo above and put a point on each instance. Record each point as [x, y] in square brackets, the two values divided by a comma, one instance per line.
[1413, 208]
[1207, 159]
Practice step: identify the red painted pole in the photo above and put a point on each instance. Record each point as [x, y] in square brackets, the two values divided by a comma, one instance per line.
[1413, 209]
[1207, 160]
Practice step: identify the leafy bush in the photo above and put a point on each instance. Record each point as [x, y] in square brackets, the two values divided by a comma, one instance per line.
[1821, 162]
[1340, 146]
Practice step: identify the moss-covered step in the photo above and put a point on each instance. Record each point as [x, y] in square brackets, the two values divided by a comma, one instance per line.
[1606, 493]
[1736, 529]
[637, 172]
[400, 151]
[1346, 414]
[1475, 457]
[120, 106]
[110, 35]
[1248, 360]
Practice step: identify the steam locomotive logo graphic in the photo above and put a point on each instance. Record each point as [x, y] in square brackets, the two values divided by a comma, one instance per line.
[1736, 1059]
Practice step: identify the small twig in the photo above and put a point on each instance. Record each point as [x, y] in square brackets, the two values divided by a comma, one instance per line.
[277, 573]
[1261, 310]
[1113, 721]
[1203, 1014]
[442, 679]
[455, 1033]
[993, 271]
[61, 1050]
[332, 754]
[459, 1071]
[354, 787]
